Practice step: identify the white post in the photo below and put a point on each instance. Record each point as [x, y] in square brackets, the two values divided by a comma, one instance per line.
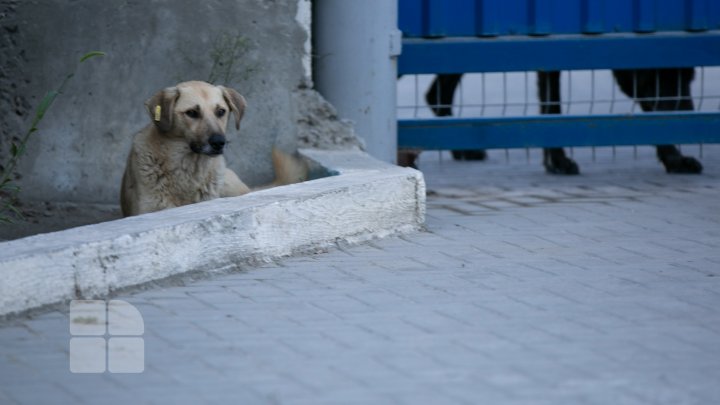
[356, 47]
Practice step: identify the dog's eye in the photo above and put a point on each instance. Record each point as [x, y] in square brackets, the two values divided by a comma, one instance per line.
[220, 112]
[192, 114]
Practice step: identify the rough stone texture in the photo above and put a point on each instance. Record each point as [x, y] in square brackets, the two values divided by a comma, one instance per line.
[15, 107]
[319, 125]
[80, 151]
[367, 199]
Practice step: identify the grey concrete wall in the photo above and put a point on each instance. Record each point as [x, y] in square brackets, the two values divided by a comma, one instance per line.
[79, 153]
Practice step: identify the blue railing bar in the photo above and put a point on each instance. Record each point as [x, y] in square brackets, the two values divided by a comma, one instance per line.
[559, 52]
[559, 130]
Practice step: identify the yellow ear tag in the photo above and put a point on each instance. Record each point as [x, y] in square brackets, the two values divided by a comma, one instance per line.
[157, 112]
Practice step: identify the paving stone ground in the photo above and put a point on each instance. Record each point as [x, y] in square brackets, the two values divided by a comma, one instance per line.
[526, 288]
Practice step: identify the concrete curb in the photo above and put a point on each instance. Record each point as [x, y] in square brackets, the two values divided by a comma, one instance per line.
[366, 199]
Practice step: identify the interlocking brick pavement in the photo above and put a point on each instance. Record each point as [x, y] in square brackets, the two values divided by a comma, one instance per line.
[602, 288]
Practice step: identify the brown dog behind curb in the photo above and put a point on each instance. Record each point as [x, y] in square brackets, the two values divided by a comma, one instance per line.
[178, 159]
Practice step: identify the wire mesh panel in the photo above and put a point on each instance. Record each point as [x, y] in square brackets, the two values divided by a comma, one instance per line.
[515, 94]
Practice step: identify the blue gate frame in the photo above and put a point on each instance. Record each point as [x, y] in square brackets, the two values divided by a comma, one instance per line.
[459, 36]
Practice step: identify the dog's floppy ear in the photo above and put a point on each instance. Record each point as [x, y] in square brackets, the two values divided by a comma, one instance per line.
[161, 106]
[236, 102]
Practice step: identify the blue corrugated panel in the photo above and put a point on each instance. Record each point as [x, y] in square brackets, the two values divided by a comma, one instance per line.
[410, 18]
[513, 17]
[592, 17]
[697, 12]
[713, 17]
[436, 18]
[618, 15]
[455, 19]
[487, 17]
[540, 15]
[645, 15]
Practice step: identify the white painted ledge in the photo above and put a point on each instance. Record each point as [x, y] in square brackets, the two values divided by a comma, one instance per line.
[366, 199]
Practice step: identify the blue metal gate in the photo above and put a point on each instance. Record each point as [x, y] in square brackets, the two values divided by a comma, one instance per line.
[459, 36]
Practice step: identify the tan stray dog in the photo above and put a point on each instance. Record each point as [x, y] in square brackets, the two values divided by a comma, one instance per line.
[177, 160]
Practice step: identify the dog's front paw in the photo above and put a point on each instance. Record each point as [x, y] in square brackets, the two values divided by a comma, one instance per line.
[682, 165]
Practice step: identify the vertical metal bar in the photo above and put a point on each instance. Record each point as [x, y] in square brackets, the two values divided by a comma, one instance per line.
[679, 90]
[592, 91]
[461, 98]
[593, 21]
[657, 90]
[645, 15]
[504, 100]
[634, 92]
[547, 91]
[482, 95]
[437, 89]
[527, 96]
[417, 96]
[702, 88]
[487, 13]
[612, 96]
[569, 92]
[539, 18]
[440, 101]
[697, 12]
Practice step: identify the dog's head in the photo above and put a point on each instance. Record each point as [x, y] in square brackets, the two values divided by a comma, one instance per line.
[196, 112]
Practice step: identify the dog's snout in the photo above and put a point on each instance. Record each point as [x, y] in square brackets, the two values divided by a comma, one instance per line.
[217, 142]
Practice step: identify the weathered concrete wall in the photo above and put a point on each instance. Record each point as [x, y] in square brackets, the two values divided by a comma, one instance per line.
[79, 153]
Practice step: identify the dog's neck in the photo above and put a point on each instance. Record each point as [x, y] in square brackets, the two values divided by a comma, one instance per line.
[176, 155]
[192, 177]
